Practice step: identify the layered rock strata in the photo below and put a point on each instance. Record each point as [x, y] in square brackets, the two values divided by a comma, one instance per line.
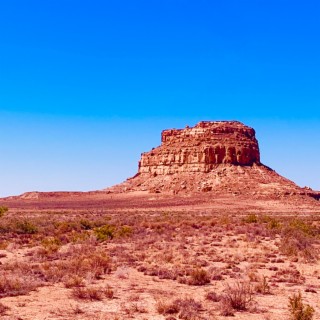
[200, 148]
[214, 156]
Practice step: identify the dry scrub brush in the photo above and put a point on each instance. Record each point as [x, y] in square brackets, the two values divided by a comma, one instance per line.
[187, 308]
[299, 239]
[237, 297]
[85, 261]
[92, 293]
[299, 310]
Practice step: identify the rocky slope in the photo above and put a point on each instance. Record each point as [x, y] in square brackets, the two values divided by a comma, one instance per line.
[218, 157]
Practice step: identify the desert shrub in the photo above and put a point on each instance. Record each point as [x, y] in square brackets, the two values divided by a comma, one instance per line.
[63, 227]
[10, 226]
[251, 218]
[108, 292]
[226, 309]
[15, 284]
[187, 308]
[164, 307]
[239, 296]
[3, 210]
[72, 281]
[79, 237]
[90, 293]
[298, 246]
[51, 244]
[105, 232]
[166, 273]
[299, 310]
[199, 277]
[274, 224]
[50, 241]
[86, 224]
[124, 231]
[271, 222]
[101, 263]
[95, 264]
[263, 286]
[299, 226]
[225, 220]
[25, 227]
[298, 240]
[302, 226]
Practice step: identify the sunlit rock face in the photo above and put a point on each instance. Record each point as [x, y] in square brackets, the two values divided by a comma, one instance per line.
[215, 157]
[201, 148]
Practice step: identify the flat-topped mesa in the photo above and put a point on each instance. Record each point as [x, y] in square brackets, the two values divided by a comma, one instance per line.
[202, 148]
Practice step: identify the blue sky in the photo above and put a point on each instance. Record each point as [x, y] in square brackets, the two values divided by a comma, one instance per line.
[85, 87]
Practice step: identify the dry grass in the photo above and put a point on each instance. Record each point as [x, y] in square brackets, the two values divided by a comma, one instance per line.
[187, 308]
[199, 277]
[238, 296]
[299, 310]
[182, 251]
[87, 293]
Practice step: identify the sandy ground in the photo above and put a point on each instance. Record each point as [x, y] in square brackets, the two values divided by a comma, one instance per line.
[172, 237]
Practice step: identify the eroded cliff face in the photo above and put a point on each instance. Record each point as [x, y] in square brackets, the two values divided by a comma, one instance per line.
[201, 148]
[221, 157]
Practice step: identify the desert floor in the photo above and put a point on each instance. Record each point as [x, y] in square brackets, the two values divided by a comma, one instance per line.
[151, 256]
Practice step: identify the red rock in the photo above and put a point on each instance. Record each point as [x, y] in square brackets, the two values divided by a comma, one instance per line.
[200, 148]
[214, 156]
[213, 160]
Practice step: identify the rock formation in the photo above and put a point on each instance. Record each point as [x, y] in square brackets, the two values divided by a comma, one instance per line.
[205, 165]
[201, 148]
[213, 156]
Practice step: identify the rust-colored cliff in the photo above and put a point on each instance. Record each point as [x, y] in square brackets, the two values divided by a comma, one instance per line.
[200, 148]
[213, 156]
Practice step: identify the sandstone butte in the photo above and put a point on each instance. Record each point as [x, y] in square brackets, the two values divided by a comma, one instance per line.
[213, 156]
[211, 160]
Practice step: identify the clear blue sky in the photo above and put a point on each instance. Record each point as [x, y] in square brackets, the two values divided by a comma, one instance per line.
[86, 86]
